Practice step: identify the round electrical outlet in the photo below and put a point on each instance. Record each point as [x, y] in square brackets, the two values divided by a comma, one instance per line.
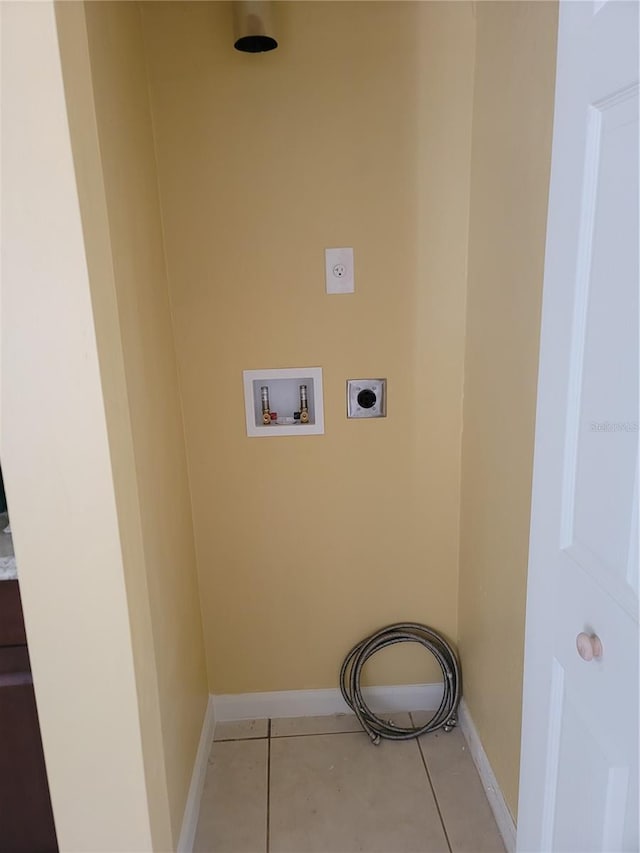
[367, 398]
[339, 270]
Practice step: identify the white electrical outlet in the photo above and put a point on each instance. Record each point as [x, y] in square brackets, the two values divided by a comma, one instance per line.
[339, 270]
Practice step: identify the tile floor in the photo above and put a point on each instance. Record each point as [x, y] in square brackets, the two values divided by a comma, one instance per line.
[318, 785]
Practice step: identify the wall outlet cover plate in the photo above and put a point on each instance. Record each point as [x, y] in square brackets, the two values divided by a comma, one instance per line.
[366, 398]
[339, 272]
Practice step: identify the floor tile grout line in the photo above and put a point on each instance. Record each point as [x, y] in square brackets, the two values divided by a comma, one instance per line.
[239, 739]
[267, 844]
[433, 790]
[279, 737]
[318, 734]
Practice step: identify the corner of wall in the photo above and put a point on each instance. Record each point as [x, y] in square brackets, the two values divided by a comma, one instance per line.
[112, 138]
[511, 150]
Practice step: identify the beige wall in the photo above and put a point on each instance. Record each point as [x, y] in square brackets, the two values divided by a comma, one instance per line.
[355, 132]
[115, 162]
[512, 120]
[56, 463]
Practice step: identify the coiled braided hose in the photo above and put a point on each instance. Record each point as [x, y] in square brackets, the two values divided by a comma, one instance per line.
[401, 632]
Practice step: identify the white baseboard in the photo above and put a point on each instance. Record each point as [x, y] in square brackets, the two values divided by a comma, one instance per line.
[497, 802]
[192, 807]
[320, 703]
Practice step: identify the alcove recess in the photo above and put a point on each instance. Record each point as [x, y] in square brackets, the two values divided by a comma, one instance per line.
[284, 401]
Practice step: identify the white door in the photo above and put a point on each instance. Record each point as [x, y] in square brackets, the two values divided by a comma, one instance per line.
[579, 763]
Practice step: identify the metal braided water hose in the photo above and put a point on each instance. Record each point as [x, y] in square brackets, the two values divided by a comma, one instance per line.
[402, 632]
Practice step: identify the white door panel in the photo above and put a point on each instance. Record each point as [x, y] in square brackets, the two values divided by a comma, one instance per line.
[579, 764]
[608, 299]
[586, 754]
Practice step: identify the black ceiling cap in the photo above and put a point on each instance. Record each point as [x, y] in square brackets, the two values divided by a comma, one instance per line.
[256, 44]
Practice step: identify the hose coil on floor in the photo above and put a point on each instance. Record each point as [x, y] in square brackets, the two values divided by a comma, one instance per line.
[402, 632]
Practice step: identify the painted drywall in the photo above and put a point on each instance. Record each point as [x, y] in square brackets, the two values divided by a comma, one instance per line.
[113, 147]
[56, 463]
[354, 132]
[512, 123]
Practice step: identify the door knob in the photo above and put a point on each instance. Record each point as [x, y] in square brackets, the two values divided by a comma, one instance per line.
[589, 646]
